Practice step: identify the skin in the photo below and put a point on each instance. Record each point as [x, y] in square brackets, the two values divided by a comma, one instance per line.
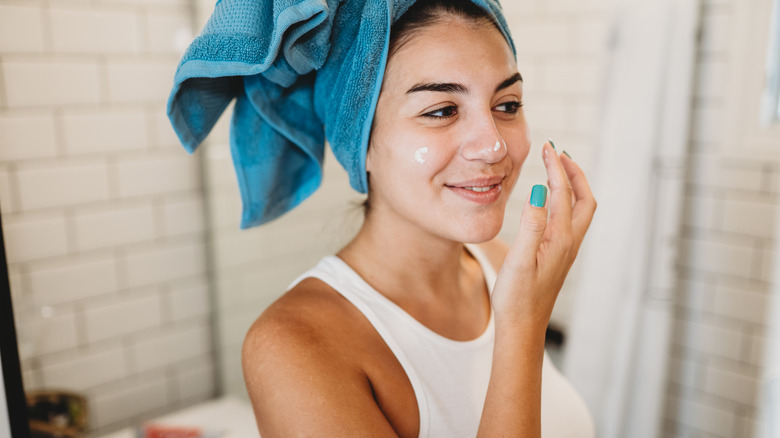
[314, 366]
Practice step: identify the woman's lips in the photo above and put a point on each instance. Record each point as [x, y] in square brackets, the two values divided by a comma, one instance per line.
[480, 191]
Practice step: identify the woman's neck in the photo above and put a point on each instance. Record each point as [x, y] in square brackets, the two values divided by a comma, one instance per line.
[392, 253]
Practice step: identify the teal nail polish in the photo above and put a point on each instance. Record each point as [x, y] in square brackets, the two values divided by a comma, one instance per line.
[567, 154]
[551, 143]
[539, 195]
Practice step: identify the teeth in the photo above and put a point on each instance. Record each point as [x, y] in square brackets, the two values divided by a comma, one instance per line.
[479, 189]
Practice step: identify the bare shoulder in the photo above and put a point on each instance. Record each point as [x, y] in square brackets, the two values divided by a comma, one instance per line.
[495, 250]
[302, 355]
[297, 317]
[302, 327]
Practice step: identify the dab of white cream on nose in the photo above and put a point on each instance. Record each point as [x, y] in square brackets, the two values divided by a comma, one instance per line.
[498, 145]
[419, 155]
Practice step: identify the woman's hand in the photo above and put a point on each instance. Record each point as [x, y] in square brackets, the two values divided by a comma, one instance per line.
[537, 263]
[525, 292]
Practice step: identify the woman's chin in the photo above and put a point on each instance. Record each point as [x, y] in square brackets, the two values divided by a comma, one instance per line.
[479, 231]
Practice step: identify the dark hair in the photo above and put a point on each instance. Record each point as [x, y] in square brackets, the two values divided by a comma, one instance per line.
[422, 14]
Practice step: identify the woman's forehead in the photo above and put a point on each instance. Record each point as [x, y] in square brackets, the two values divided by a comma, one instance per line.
[451, 52]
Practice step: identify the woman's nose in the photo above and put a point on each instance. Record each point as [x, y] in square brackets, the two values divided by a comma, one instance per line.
[484, 142]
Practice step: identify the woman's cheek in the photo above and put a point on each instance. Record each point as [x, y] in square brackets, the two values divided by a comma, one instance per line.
[522, 150]
[426, 158]
[520, 145]
[419, 152]
[420, 155]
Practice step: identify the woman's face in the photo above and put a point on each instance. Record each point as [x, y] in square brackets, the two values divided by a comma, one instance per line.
[449, 133]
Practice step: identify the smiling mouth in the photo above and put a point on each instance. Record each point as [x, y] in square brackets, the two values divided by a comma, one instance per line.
[479, 189]
[479, 184]
[483, 191]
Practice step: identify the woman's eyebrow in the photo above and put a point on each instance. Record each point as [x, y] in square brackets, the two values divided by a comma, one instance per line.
[447, 87]
[517, 77]
[451, 87]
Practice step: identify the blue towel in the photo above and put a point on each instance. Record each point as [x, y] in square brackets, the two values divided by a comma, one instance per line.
[301, 71]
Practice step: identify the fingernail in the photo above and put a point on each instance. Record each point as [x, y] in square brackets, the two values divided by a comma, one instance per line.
[567, 154]
[551, 143]
[539, 195]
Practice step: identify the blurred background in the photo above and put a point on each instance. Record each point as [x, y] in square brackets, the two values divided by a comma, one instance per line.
[133, 286]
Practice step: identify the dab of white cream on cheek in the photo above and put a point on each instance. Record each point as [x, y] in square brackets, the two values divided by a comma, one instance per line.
[419, 155]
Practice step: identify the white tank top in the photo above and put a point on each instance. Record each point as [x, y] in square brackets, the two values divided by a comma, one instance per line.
[450, 378]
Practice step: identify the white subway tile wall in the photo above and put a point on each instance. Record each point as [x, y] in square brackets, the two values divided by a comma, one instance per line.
[86, 369]
[48, 80]
[147, 393]
[35, 237]
[139, 79]
[730, 236]
[62, 183]
[184, 215]
[102, 209]
[64, 280]
[28, 135]
[104, 130]
[188, 300]
[86, 30]
[6, 203]
[181, 345]
[55, 333]
[114, 225]
[17, 21]
[123, 315]
[190, 382]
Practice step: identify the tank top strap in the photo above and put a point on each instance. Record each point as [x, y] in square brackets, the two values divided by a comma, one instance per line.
[487, 268]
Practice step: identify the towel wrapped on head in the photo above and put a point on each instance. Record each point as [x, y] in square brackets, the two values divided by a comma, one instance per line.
[301, 71]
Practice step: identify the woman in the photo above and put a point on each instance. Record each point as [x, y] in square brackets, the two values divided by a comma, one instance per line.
[403, 333]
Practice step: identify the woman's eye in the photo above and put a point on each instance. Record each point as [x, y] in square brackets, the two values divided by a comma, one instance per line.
[510, 107]
[442, 113]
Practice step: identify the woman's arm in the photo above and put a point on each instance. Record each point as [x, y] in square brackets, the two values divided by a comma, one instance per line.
[526, 289]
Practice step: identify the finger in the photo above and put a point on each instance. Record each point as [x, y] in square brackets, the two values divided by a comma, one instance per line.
[533, 222]
[561, 157]
[560, 191]
[584, 201]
